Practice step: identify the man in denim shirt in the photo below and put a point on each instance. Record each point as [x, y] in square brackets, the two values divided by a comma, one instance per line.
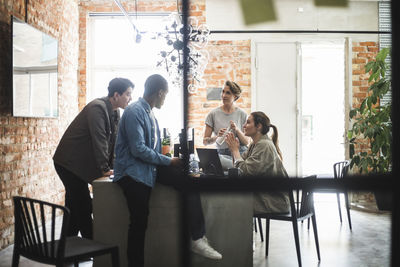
[139, 163]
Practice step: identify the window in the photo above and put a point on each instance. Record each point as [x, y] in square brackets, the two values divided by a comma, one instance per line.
[113, 52]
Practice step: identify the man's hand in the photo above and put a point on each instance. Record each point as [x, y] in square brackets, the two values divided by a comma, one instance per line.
[176, 162]
[109, 173]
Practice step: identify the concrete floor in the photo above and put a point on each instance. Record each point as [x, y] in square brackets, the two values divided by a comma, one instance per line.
[367, 245]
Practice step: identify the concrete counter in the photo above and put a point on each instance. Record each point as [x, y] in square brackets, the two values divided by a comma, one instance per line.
[228, 219]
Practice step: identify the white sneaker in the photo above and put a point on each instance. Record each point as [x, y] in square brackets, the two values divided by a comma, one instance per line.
[201, 247]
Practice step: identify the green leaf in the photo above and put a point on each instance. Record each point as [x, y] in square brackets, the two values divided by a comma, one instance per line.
[352, 113]
[351, 148]
[383, 72]
[362, 107]
[368, 66]
[356, 159]
[384, 151]
[383, 54]
[349, 134]
[374, 99]
[369, 132]
[364, 164]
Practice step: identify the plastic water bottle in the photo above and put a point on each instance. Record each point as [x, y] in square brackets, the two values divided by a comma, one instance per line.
[193, 164]
[221, 139]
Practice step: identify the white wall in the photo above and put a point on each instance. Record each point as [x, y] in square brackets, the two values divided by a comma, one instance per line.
[359, 15]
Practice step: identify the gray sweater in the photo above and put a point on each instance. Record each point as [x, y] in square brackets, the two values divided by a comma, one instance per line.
[263, 159]
[87, 146]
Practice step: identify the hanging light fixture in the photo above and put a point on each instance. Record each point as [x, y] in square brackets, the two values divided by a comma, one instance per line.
[172, 53]
[138, 35]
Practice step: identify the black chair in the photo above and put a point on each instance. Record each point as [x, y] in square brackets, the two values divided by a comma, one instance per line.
[305, 211]
[36, 237]
[340, 170]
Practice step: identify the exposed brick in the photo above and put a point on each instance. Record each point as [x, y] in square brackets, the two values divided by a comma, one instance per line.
[367, 43]
[360, 80]
[359, 49]
[359, 61]
[27, 144]
[373, 49]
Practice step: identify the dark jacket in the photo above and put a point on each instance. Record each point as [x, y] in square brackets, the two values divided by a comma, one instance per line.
[87, 146]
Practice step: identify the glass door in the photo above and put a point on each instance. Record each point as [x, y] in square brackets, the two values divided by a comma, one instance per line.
[323, 107]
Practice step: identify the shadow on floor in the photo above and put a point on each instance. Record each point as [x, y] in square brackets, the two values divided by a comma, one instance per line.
[368, 244]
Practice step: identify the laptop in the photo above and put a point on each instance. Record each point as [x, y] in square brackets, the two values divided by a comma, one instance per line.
[210, 162]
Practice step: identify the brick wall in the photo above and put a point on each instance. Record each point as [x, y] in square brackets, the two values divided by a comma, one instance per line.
[27, 144]
[197, 9]
[363, 52]
[229, 60]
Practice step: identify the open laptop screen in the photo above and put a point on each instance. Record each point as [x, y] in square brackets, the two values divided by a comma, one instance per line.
[210, 161]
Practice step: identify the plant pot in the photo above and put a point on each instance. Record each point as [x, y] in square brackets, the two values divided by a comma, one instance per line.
[384, 200]
[165, 149]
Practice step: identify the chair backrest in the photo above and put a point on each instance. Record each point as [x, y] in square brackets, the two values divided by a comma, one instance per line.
[36, 226]
[341, 168]
[306, 207]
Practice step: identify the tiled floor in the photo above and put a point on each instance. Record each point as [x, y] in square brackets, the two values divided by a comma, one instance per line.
[367, 245]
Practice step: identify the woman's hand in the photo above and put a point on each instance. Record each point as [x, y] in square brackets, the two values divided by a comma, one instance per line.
[232, 142]
[233, 126]
[221, 131]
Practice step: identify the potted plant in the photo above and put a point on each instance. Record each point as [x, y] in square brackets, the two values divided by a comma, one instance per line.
[372, 125]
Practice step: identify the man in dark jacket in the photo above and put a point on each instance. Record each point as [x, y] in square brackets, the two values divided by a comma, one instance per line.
[86, 152]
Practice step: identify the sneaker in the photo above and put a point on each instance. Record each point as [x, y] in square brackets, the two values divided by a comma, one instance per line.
[201, 247]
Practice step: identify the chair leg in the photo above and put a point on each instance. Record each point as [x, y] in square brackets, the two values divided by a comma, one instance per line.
[314, 222]
[346, 200]
[15, 259]
[297, 240]
[308, 223]
[255, 224]
[260, 227]
[115, 257]
[266, 236]
[338, 202]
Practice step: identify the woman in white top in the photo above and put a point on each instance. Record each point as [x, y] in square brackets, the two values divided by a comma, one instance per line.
[263, 158]
[226, 116]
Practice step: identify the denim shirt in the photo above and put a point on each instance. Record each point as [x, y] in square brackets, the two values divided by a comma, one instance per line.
[134, 151]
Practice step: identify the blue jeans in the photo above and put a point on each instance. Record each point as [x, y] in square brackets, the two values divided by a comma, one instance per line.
[226, 151]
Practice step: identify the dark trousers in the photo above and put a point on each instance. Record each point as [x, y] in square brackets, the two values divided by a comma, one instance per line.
[138, 197]
[78, 201]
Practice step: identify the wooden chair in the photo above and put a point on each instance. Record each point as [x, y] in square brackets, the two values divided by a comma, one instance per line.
[36, 236]
[305, 211]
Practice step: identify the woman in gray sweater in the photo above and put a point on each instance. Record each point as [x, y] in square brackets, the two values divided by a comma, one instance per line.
[263, 158]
